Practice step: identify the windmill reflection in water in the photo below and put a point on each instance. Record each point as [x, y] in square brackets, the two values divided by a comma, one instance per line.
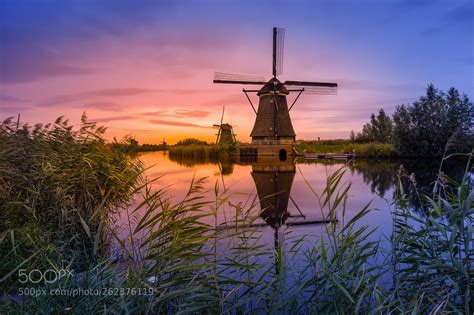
[273, 180]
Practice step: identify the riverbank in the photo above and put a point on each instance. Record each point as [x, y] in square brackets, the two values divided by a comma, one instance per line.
[369, 150]
[201, 152]
[214, 152]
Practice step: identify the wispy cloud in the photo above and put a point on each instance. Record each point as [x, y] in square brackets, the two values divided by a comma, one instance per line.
[414, 4]
[19, 65]
[191, 113]
[13, 109]
[102, 106]
[460, 14]
[179, 113]
[431, 32]
[365, 85]
[8, 98]
[175, 123]
[109, 119]
[84, 96]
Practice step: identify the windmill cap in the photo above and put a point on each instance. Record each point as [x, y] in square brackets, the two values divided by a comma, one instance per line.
[226, 126]
[273, 85]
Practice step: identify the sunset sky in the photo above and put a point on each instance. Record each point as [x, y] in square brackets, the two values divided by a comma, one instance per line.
[146, 67]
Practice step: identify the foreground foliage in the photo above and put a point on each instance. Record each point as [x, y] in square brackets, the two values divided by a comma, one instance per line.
[59, 189]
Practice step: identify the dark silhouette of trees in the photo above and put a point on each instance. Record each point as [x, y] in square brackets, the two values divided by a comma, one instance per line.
[435, 122]
[191, 141]
[429, 127]
[379, 129]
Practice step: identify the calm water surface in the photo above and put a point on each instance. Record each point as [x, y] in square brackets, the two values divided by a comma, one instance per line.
[283, 189]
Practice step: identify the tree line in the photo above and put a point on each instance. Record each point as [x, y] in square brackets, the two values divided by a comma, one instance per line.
[437, 122]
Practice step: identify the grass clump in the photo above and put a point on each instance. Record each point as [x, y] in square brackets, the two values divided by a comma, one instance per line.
[202, 153]
[372, 149]
[433, 253]
[59, 190]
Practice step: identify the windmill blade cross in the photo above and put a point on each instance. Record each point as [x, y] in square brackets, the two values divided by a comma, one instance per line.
[321, 88]
[222, 117]
[229, 78]
[278, 49]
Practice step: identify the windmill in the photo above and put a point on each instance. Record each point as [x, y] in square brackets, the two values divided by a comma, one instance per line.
[273, 131]
[225, 135]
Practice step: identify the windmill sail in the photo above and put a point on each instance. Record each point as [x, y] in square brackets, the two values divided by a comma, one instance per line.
[321, 88]
[278, 48]
[229, 78]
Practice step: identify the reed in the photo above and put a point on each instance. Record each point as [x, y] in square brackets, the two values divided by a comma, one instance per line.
[59, 190]
[433, 254]
[200, 153]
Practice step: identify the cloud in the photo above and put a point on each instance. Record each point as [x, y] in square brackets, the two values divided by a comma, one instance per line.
[109, 119]
[67, 98]
[179, 113]
[13, 108]
[191, 113]
[8, 98]
[156, 113]
[19, 65]
[103, 105]
[431, 32]
[38, 42]
[175, 123]
[460, 14]
[365, 85]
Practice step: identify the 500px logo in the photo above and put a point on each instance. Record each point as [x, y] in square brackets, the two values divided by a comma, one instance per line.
[47, 276]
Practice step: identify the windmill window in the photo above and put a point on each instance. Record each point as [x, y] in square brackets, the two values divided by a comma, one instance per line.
[282, 155]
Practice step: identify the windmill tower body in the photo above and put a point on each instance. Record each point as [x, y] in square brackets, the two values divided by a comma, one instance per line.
[273, 128]
[226, 134]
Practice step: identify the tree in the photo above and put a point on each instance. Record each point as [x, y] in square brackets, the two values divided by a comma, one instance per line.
[379, 129]
[191, 141]
[435, 120]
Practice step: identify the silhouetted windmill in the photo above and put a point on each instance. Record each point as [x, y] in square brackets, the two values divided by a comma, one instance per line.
[225, 135]
[273, 131]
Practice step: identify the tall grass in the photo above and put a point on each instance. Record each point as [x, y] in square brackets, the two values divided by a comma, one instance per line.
[433, 251]
[59, 190]
[191, 154]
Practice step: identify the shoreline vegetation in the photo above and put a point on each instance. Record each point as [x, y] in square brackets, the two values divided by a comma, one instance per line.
[60, 189]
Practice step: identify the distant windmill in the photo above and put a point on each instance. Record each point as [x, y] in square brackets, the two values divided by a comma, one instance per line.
[273, 128]
[225, 135]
